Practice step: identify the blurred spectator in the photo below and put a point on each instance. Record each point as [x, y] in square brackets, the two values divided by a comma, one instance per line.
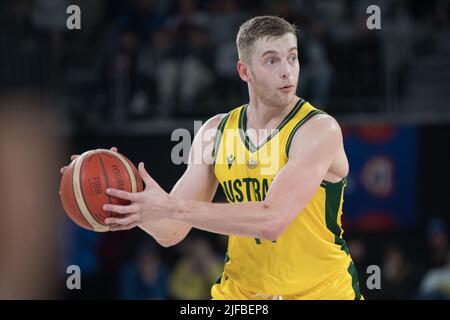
[196, 271]
[185, 76]
[357, 249]
[188, 14]
[20, 57]
[80, 247]
[133, 29]
[49, 20]
[436, 283]
[141, 20]
[224, 20]
[400, 277]
[145, 277]
[437, 243]
[50, 15]
[175, 58]
[151, 56]
[316, 72]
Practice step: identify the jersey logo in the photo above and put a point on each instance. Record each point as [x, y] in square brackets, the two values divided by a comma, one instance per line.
[230, 160]
[252, 163]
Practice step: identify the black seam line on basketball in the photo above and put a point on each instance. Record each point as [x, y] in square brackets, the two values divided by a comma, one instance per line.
[107, 181]
[74, 196]
[289, 117]
[296, 127]
[218, 140]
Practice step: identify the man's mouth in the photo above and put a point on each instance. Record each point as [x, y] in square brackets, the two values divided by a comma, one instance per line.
[287, 88]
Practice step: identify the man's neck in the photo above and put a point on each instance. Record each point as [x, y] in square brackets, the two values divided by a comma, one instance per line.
[263, 116]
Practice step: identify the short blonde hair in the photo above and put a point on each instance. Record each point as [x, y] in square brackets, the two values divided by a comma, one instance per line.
[261, 27]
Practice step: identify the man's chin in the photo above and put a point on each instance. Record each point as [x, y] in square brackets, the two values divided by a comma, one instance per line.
[285, 99]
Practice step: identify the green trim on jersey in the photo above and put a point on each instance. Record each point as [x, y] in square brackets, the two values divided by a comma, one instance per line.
[242, 125]
[332, 204]
[297, 126]
[218, 137]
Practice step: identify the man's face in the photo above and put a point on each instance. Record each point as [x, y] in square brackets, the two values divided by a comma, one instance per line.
[274, 69]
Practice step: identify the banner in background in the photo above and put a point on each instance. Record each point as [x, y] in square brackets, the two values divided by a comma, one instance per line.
[382, 183]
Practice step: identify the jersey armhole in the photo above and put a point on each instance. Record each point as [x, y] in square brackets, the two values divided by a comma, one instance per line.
[218, 138]
[311, 114]
[324, 184]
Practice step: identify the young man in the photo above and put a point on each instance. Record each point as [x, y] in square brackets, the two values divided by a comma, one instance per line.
[284, 188]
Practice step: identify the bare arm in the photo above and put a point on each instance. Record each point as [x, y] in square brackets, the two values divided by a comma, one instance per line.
[198, 183]
[314, 148]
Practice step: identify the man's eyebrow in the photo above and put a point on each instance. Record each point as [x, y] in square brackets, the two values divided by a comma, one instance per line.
[269, 52]
[276, 52]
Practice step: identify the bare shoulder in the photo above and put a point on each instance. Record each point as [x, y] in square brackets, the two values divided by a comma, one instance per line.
[322, 132]
[209, 128]
[213, 122]
[320, 128]
[204, 139]
[324, 123]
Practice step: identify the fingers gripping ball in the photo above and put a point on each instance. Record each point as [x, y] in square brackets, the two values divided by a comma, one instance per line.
[84, 183]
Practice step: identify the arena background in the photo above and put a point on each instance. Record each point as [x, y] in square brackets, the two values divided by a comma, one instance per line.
[137, 70]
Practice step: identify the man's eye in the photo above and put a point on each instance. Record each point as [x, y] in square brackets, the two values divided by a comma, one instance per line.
[293, 58]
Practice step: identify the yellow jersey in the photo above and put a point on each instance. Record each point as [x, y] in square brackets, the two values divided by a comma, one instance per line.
[311, 250]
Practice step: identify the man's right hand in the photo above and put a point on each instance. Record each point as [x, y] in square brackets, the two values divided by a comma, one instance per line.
[74, 156]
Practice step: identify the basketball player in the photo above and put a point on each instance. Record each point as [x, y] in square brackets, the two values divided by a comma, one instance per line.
[284, 186]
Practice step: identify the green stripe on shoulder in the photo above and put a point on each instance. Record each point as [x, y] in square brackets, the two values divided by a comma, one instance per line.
[311, 114]
[218, 136]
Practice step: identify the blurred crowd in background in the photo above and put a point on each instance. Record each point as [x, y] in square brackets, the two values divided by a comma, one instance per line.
[147, 60]
[133, 266]
[177, 58]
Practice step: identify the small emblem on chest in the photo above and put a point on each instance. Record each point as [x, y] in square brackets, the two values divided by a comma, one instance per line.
[230, 160]
[252, 163]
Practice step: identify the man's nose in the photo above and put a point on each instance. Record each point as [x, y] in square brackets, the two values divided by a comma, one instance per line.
[285, 70]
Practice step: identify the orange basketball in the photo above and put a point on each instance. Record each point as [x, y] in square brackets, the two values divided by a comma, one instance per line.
[84, 183]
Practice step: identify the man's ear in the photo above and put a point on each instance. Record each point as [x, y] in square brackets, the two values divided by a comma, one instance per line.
[243, 70]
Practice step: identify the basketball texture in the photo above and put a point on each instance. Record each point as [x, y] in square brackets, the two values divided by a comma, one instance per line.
[84, 183]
